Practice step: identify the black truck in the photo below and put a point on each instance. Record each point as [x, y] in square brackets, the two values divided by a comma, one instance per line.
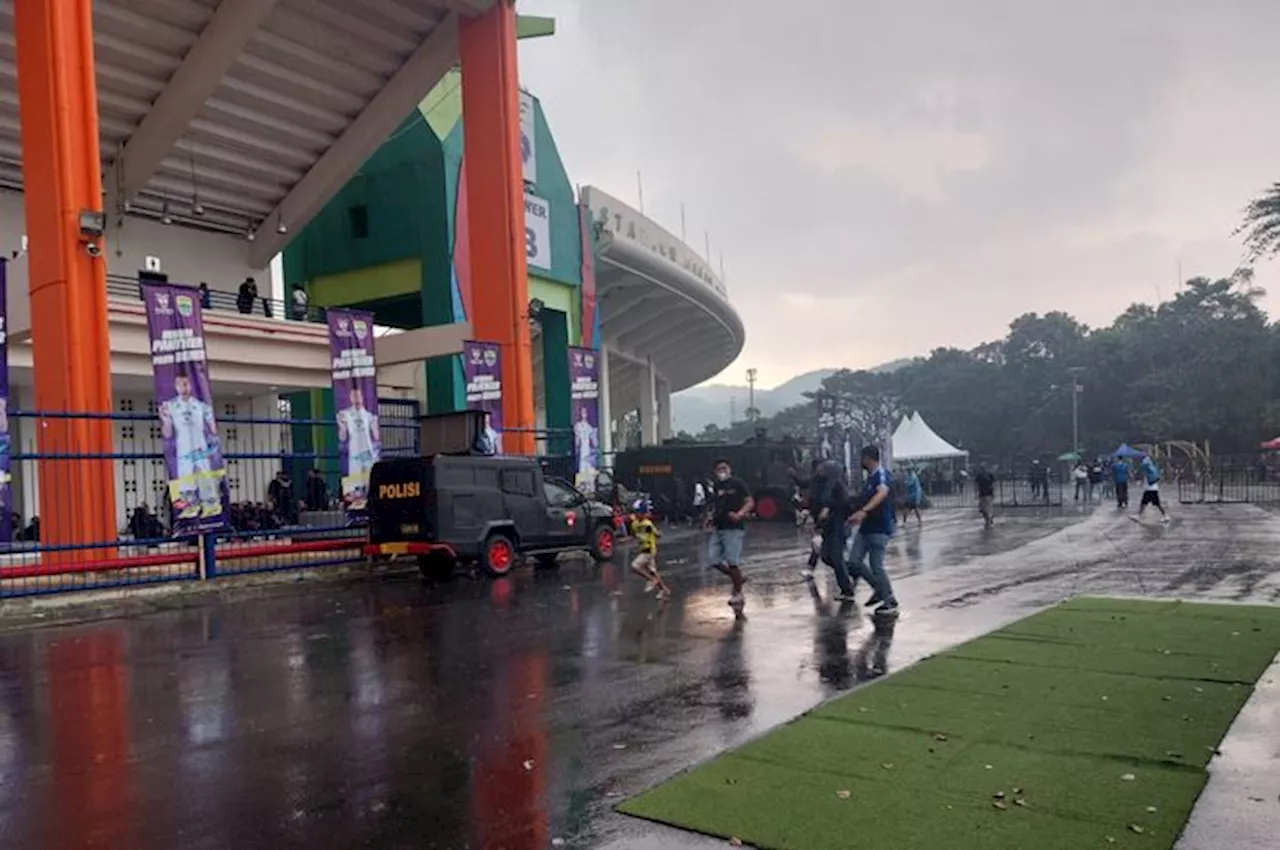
[669, 472]
[473, 508]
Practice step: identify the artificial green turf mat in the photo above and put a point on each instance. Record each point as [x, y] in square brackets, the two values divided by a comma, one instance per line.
[1100, 713]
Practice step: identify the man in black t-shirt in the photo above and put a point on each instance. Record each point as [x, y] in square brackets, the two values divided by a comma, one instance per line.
[731, 503]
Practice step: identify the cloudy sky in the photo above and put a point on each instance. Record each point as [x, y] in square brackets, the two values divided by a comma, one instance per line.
[896, 176]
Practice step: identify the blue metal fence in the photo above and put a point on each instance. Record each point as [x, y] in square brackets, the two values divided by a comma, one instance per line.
[274, 526]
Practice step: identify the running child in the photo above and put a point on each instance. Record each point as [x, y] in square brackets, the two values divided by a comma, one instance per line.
[645, 563]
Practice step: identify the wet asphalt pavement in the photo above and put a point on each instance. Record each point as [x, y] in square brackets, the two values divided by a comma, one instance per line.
[382, 713]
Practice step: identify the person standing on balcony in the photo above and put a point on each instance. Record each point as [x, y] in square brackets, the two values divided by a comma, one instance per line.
[298, 302]
[247, 295]
[206, 297]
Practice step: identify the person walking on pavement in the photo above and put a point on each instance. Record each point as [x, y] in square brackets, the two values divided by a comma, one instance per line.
[915, 496]
[986, 484]
[1080, 474]
[832, 504]
[1151, 493]
[1120, 476]
[730, 505]
[875, 521]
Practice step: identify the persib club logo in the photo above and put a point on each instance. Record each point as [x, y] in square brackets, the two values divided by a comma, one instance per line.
[590, 361]
[362, 328]
[490, 357]
[185, 306]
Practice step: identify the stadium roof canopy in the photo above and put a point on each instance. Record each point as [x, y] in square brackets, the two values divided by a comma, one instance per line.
[246, 116]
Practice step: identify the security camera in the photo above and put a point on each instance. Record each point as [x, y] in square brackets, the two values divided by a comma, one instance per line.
[93, 249]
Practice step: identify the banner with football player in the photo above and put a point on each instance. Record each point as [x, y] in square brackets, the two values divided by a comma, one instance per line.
[193, 460]
[355, 398]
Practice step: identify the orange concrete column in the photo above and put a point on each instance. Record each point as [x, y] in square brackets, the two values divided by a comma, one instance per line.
[58, 102]
[495, 210]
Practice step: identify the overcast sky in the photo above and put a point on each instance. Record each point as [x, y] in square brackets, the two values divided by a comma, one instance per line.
[895, 176]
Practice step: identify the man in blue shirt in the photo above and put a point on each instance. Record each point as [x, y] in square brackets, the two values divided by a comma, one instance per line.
[1151, 493]
[875, 523]
[1120, 476]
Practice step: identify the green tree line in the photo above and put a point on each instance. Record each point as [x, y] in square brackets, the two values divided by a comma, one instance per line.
[1203, 365]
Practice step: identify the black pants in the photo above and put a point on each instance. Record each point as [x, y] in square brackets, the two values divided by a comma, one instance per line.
[1122, 494]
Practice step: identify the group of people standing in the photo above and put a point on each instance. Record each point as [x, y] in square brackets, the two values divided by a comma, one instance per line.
[852, 531]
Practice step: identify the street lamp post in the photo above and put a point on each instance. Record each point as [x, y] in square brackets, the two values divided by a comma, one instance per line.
[1076, 389]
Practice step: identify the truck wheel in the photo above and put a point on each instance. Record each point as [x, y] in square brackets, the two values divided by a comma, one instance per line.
[602, 543]
[768, 509]
[437, 567]
[499, 555]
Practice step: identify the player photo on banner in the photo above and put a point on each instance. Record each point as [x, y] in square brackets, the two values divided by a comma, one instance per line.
[482, 369]
[584, 389]
[355, 398]
[193, 459]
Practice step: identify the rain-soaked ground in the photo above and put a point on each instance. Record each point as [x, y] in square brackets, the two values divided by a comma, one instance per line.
[381, 713]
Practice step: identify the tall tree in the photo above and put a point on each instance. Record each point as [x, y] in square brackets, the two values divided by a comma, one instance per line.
[1261, 227]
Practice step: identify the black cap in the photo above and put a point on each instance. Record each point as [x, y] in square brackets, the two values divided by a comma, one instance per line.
[870, 452]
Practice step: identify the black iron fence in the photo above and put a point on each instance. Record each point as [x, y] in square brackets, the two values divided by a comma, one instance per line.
[1010, 491]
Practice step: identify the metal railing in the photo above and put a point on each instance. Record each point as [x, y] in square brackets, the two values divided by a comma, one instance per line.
[1256, 485]
[272, 526]
[124, 287]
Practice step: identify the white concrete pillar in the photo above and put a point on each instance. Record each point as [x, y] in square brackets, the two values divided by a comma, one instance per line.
[606, 410]
[664, 410]
[648, 404]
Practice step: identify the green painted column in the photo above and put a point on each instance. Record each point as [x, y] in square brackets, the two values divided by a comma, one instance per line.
[555, 377]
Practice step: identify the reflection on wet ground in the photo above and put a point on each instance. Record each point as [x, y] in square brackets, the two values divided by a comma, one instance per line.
[515, 714]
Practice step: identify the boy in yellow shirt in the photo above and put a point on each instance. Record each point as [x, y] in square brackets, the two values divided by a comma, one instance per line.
[645, 563]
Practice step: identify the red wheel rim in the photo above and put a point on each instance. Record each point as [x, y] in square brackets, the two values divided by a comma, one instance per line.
[767, 509]
[604, 542]
[500, 555]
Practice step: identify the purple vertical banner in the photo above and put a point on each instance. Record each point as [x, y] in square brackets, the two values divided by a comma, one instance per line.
[6, 480]
[482, 369]
[584, 390]
[355, 399]
[193, 460]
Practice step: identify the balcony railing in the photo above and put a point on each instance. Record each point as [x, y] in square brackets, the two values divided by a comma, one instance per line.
[121, 286]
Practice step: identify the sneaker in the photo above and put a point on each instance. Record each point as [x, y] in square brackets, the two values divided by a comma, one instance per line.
[736, 600]
[806, 574]
[846, 597]
[873, 601]
[889, 609]
[1166, 519]
[651, 587]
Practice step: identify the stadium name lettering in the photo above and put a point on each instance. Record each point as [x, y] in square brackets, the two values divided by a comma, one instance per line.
[410, 490]
[655, 469]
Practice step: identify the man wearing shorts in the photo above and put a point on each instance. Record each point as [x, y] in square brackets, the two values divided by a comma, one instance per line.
[731, 502]
[1151, 493]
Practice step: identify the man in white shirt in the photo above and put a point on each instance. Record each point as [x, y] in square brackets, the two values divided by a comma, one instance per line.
[358, 428]
[190, 424]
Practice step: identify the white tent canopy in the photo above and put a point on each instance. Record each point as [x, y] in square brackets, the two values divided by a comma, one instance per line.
[915, 440]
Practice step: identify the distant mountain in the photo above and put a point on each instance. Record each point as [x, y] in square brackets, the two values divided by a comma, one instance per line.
[696, 408]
